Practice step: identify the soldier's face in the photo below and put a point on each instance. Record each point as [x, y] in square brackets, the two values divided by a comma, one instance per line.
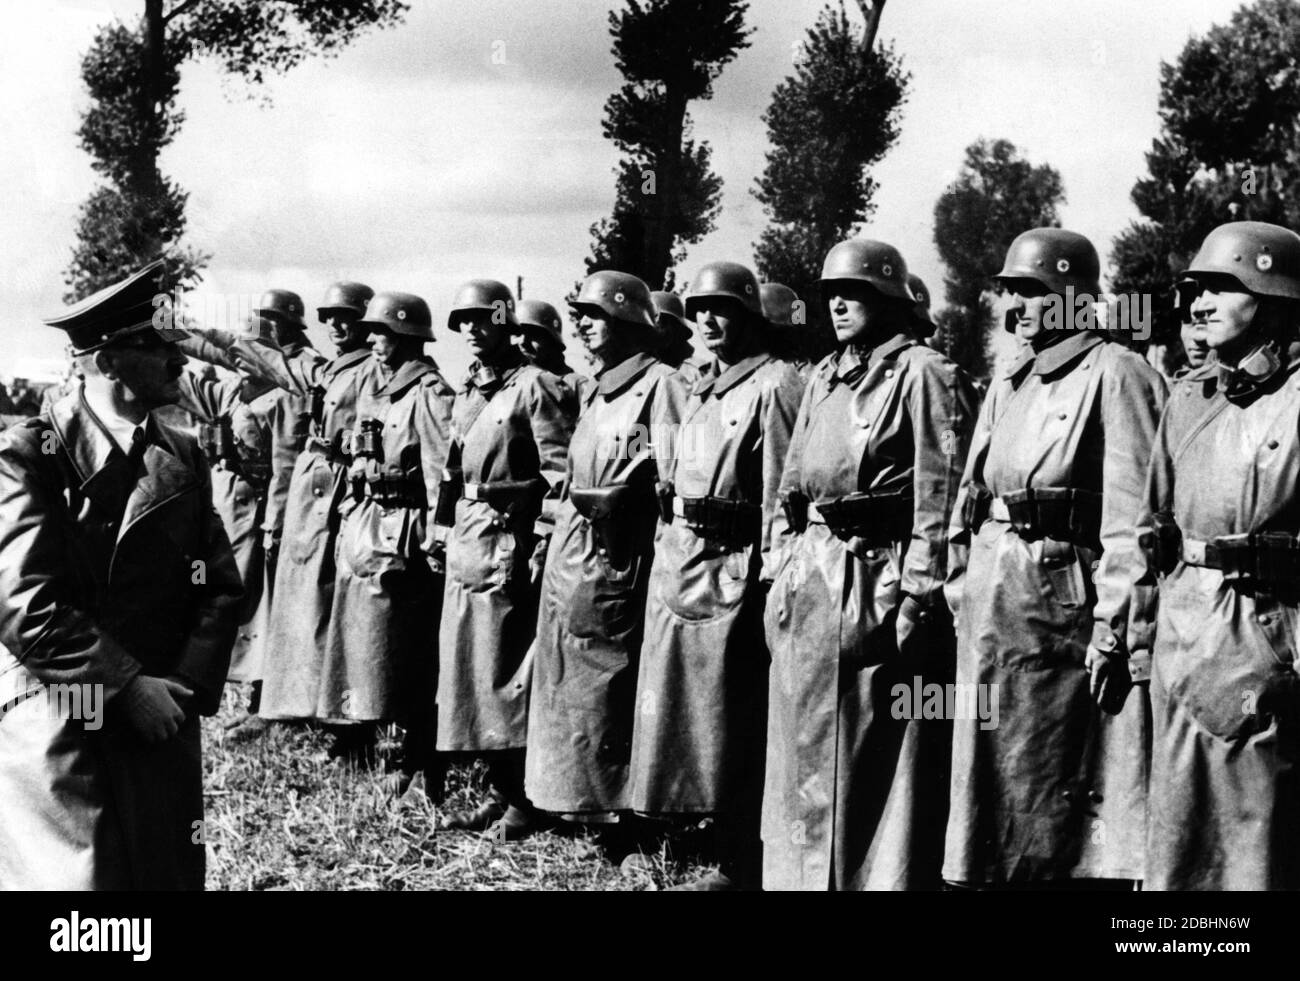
[384, 346]
[1225, 313]
[595, 330]
[1025, 300]
[484, 335]
[1195, 343]
[343, 331]
[537, 346]
[856, 309]
[149, 373]
[721, 322]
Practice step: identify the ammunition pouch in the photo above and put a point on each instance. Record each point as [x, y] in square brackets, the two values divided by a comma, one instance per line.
[510, 497]
[617, 524]
[721, 520]
[1163, 543]
[876, 517]
[795, 506]
[1065, 514]
[1263, 555]
[449, 492]
[975, 509]
[396, 491]
[664, 500]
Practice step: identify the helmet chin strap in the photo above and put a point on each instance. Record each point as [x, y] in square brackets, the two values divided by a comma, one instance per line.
[1256, 367]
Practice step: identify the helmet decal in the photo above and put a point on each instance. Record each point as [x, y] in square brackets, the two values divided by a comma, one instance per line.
[1063, 266]
[1264, 262]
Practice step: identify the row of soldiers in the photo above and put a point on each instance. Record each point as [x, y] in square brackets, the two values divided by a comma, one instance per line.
[751, 590]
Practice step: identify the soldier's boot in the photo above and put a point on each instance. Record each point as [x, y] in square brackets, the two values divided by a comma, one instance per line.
[717, 881]
[479, 819]
[355, 745]
[252, 728]
[517, 823]
[739, 855]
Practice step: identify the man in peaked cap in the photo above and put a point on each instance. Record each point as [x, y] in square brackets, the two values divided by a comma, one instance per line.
[118, 598]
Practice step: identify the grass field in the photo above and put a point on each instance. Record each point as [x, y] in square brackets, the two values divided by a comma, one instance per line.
[280, 815]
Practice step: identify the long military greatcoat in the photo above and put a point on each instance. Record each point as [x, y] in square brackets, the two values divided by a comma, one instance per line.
[593, 603]
[1053, 788]
[380, 651]
[697, 741]
[109, 568]
[856, 793]
[510, 424]
[1225, 693]
[304, 572]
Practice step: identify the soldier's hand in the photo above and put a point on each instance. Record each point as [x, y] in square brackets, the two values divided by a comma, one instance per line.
[1109, 680]
[271, 548]
[151, 707]
[911, 628]
[537, 563]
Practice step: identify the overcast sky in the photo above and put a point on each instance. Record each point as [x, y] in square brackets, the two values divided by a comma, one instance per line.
[414, 160]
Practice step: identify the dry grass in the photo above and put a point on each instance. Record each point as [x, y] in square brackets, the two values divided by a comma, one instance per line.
[280, 815]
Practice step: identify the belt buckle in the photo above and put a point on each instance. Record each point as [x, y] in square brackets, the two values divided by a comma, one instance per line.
[1194, 552]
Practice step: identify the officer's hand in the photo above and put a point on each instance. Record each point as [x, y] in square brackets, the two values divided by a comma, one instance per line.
[1109, 680]
[911, 628]
[151, 707]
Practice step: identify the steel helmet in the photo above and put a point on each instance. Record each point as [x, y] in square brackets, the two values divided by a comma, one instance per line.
[484, 294]
[619, 295]
[345, 296]
[1264, 258]
[402, 313]
[1056, 258]
[920, 312]
[868, 261]
[725, 279]
[535, 313]
[669, 305]
[282, 305]
[778, 304]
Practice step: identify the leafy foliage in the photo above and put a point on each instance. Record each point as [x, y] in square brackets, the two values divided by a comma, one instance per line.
[996, 196]
[1228, 150]
[829, 122]
[666, 194]
[132, 74]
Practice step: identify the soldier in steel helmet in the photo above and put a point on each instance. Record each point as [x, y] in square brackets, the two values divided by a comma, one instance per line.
[697, 743]
[788, 327]
[540, 338]
[1221, 533]
[118, 608]
[380, 647]
[857, 607]
[509, 442]
[673, 335]
[1048, 512]
[589, 627]
[246, 428]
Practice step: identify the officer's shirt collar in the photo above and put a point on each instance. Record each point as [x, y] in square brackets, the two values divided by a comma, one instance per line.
[120, 429]
[406, 375]
[611, 381]
[853, 360]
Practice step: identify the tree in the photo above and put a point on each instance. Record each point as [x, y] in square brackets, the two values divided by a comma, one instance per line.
[996, 196]
[132, 74]
[1228, 149]
[666, 195]
[837, 115]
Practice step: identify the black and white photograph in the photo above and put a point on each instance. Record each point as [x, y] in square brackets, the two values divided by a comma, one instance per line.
[592, 446]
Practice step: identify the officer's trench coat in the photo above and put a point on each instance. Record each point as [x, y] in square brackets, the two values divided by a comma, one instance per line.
[1057, 788]
[592, 607]
[697, 742]
[381, 648]
[304, 572]
[1225, 770]
[105, 574]
[511, 425]
[856, 798]
[259, 417]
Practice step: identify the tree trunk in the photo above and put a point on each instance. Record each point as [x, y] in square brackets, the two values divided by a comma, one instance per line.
[871, 11]
[660, 231]
[147, 177]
